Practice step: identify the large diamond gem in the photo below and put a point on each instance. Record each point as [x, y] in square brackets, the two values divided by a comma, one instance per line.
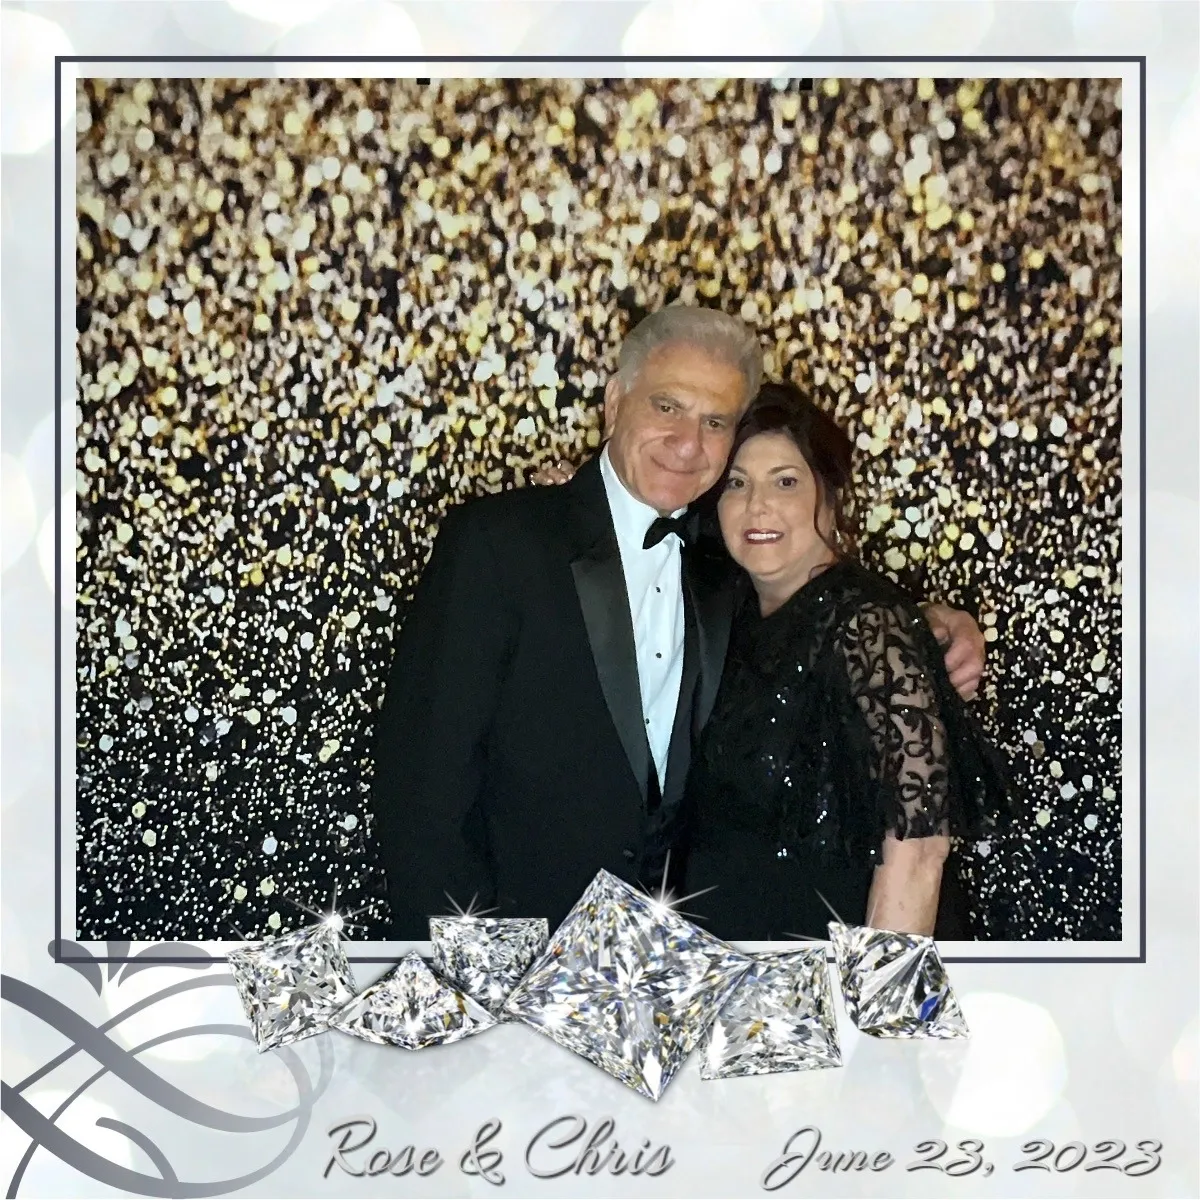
[779, 1018]
[894, 984]
[629, 984]
[411, 1007]
[292, 985]
[486, 956]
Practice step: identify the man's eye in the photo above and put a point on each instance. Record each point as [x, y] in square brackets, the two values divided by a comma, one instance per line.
[717, 425]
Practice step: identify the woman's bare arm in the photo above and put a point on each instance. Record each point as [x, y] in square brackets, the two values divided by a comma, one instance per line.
[905, 886]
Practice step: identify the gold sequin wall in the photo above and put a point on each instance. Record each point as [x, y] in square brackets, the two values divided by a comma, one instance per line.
[313, 314]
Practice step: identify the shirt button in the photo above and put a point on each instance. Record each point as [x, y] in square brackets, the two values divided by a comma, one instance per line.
[658, 654]
[657, 588]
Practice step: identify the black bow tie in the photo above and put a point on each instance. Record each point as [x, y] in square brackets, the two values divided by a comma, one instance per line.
[683, 527]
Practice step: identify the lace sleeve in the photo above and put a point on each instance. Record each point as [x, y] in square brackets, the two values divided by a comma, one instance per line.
[886, 653]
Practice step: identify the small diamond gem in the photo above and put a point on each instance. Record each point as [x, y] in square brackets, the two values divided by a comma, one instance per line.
[411, 1007]
[486, 956]
[292, 985]
[894, 984]
[779, 1018]
[629, 984]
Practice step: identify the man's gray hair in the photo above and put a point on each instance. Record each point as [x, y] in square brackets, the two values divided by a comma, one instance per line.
[719, 335]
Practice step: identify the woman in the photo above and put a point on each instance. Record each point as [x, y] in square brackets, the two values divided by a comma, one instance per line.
[838, 760]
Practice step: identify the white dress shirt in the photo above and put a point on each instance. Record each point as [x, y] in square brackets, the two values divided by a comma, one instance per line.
[655, 591]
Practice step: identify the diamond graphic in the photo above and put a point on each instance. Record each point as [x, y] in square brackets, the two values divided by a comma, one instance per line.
[486, 956]
[629, 984]
[894, 984]
[779, 1018]
[411, 1007]
[292, 985]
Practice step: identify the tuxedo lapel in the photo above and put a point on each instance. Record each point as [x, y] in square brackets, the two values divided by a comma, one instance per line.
[707, 581]
[679, 756]
[604, 602]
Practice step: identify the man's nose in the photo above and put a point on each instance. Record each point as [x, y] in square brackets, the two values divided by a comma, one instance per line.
[686, 441]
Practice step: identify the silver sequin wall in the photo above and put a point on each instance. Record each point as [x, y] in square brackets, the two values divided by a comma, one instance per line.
[313, 314]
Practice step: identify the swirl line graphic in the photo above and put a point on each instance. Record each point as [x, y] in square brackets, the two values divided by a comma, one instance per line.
[43, 1131]
[148, 1001]
[155, 1154]
[301, 1112]
[87, 1037]
[137, 1137]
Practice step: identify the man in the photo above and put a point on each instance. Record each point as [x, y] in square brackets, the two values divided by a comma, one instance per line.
[564, 647]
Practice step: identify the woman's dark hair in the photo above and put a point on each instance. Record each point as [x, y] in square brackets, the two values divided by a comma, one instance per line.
[823, 444]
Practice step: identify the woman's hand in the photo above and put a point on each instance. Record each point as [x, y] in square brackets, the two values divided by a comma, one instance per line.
[559, 471]
[963, 641]
[906, 885]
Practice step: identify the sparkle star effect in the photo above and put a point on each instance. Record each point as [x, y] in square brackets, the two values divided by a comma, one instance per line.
[470, 910]
[337, 921]
[629, 984]
[894, 984]
[780, 1017]
[411, 1007]
[664, 897]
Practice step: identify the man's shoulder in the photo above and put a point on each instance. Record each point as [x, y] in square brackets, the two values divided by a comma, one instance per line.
[518, 503]
[528, 513]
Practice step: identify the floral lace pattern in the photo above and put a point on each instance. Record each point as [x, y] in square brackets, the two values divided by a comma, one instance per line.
[836, 724]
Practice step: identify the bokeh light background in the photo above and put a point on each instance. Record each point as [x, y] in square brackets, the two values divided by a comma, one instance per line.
[1059, 1050]
[312, 314]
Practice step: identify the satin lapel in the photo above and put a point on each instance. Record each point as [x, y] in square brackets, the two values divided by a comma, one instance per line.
[713, 597]
[679, 756]
[604, 601]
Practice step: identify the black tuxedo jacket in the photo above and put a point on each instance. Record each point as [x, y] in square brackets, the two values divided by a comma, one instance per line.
[511, 760]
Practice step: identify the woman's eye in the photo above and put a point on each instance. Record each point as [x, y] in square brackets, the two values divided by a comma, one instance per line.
[787, 481]
[732, 485]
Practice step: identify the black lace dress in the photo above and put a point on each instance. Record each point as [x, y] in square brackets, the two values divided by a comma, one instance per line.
[835, 723]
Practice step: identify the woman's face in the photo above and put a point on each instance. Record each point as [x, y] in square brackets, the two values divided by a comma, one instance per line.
[767, 513]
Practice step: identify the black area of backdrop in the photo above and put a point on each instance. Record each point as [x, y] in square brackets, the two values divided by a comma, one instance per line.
[313, 314]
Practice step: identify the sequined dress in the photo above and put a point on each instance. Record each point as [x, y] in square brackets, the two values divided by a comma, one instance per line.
[834, 724]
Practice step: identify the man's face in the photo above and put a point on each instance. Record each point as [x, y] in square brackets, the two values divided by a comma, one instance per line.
[671, 431]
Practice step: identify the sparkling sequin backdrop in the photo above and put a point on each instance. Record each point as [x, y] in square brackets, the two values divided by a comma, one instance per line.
[313, 314]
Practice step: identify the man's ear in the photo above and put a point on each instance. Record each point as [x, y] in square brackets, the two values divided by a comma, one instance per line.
[612, 401]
